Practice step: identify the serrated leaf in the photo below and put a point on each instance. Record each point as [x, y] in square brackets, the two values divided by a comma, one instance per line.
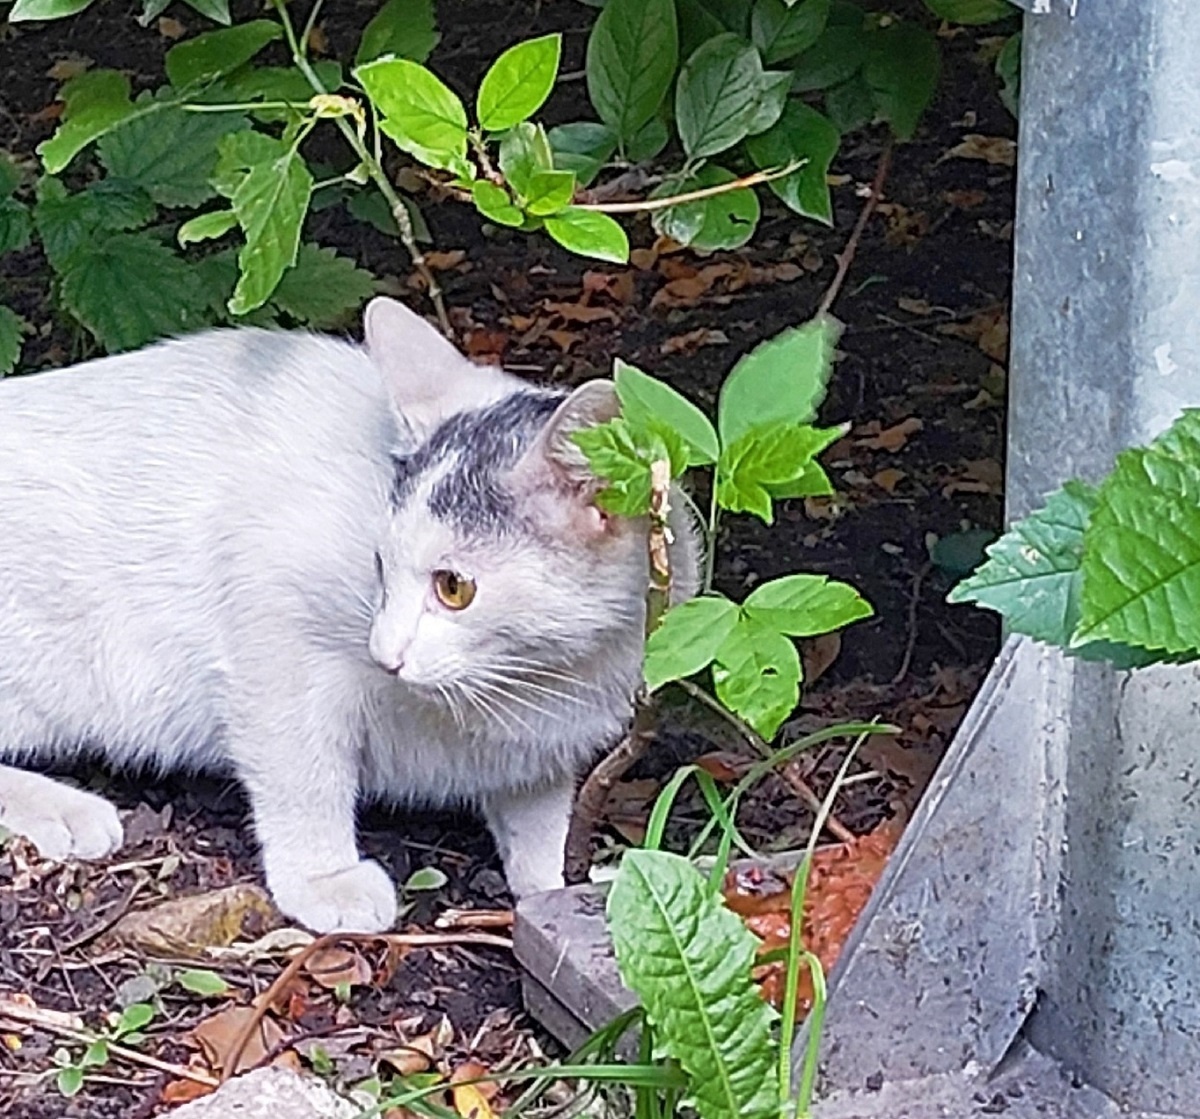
[214, 54]
[835, 57]
[134, 1017]
[1141, 547]
[271, 83]
[203, 982]
[548, 192]
[12, 326]
[647, 402]
[66, 222]
[772, 97]
[806, 605]
[69, 1080]
[767, 461]
[493, 202]
[15, 225]
[689, 961]
[169, 297]
[757, 675]
[403, 28]
[24, 10]
[902, 67]
[800, 133]
[632, 53]
[421, 113]
[720, 221]
[621, 456]
[237, 152]
[204, 227]
[171, 154]
[517, 84]
[270, 203]
[687, 639]
[781, 380]
[322, 288]
[970, 12]
[782, 31]
[716, 95]
[10, 175]
[96, 101]
[583, 147]
[589, 233]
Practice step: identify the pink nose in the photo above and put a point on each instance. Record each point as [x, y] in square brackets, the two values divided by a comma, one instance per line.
[393, 669]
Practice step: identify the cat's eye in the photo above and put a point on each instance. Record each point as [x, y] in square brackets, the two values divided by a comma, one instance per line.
[454, 591]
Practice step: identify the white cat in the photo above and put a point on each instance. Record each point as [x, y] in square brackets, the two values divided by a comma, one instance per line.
[343, 572]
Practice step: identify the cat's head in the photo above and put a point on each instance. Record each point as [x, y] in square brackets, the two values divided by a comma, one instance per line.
[500, 581]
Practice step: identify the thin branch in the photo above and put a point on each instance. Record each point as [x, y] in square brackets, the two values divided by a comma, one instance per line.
[846, 256]
[692, 195]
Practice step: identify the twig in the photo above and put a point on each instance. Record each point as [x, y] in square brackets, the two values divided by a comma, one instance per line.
[750, 180]
[405, 940]
[36, 1016]
[914, 604]
[846, 256]
[760, 745]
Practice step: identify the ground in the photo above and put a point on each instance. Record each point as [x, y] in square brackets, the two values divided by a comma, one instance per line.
[920, 377]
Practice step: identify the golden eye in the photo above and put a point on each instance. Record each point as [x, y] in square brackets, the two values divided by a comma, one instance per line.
[454, 591]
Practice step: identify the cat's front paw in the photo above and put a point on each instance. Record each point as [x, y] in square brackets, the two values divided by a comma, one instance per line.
[361, 898]
[62, 822]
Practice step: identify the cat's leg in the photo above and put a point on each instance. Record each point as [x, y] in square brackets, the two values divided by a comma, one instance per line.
[530, 829]
[297, 755]
[62, 822]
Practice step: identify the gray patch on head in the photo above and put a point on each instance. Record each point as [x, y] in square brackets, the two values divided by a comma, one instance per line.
[481, 446]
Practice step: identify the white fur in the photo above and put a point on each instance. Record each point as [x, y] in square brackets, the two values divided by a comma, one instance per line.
[187, 540]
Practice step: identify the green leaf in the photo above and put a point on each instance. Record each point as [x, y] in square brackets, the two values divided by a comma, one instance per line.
[850, 104]
[835, 57]
[1141, 548]
[548, 192]
[68, 222]
[782, 31]
[622, 455]
[322, 289]
[171, 154]
[237, 152]
[135, 1017]
[806, 605]
[589, 233]
[421, 113]
[524, 152]
[95, 1054]
[46, 10]
[96, 102]
[698, 24]
[217, 274]
[583, 147]
[204, 227]
[169, 299]
[769, 461]
[271, 83]
[717, 94]
[217, 53]
[970, 11]
[687, 639]
[270, 204]
[902, 67]
[10, 175]
[647, 141]
[632, 53]
[493, 202]
[518, 83]
[780, 380]
[647, 401]
[757, 675]
[720, 221]
[772, 97]
[69, 1080]
[426, 878]
[201, 981]
[689, 961]
[1008, 70]
[800, 133]
[12, 326]
[403, 28]
[216, 10]
[15, 225]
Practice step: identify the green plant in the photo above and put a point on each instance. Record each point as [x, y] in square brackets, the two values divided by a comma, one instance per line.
[124, 1028]
[1108, 572]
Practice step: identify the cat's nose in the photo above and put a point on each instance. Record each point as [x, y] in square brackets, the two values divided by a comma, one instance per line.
[392, 665]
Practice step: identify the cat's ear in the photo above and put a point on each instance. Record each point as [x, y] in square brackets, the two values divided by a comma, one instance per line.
[555, 454]
[427, 377]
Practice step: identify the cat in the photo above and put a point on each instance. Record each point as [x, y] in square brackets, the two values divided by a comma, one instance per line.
[344, 572]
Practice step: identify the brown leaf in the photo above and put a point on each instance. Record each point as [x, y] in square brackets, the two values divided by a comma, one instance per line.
[904, 226]
[984, 475]
[892, 438]
[445, 261]
[997, 150]
[485, 344]
[563, 339]
[188, 925]
[619, 286]
[628, 807]
[723, 766]
[581, 312]
[915, 306]
[643, 259]
[67, 68]
[170, 28]
[818, 654]
[406, 1060]
[184, 1091]
[888, 478]
[690, 342]
[338, 967]
[318, 41]
[887, 754]
[965, 199]
[217, 1034]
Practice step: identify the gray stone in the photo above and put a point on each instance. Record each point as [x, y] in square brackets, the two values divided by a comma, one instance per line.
[270, 1093]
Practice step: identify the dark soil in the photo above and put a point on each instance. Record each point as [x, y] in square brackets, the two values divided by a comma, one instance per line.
[935, 257]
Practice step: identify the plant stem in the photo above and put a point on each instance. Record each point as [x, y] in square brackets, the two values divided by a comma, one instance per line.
[710, 552]
[375, 171]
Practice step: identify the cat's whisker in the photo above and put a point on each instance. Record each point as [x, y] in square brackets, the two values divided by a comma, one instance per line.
[494, 703]
[517, 685]
[501, 694]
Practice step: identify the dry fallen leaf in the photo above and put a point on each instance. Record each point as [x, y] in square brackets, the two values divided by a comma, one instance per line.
[998, 150]
[338, 967]
[188, 925]
[580, 312]
[67, 68]
[915, 306]
[690, 342]
[472, 1101]
[445, 261]
[965, 199]
[818, 654]
[988, 329]
[217, 1034]
[892, 438]
[888, 478]
[170, 28]
[183, 1091]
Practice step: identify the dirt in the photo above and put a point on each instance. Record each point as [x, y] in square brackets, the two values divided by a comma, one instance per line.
[922, 462]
